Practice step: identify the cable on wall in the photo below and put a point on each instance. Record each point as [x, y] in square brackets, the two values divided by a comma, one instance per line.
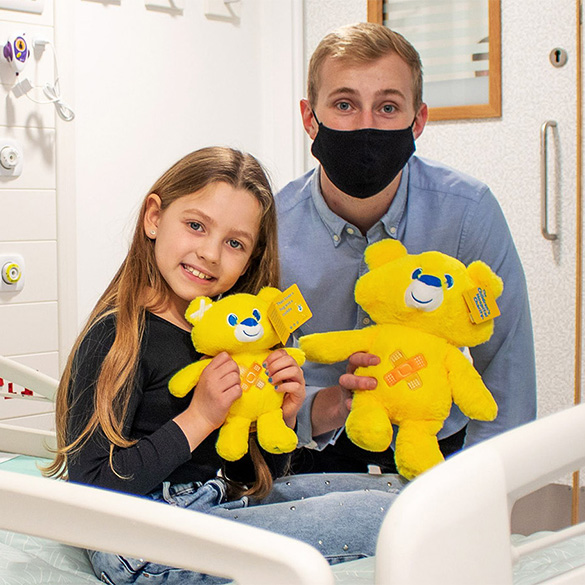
[51, 91]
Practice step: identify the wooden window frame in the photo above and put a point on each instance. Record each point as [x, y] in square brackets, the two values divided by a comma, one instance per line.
[492, 109]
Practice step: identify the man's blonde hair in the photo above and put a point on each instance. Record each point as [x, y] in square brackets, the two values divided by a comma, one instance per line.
[363, 43]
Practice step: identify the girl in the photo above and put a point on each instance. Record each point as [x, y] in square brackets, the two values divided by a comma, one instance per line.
[207, 227]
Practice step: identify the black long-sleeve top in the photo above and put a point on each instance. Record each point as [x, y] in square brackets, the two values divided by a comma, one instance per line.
[161, 452]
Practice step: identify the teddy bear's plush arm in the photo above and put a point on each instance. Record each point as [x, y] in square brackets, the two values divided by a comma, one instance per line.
[468, 390]
[336, 346]
[186, 379]
[296, 354]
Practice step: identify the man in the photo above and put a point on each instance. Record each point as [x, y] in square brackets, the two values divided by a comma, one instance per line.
[363, 112]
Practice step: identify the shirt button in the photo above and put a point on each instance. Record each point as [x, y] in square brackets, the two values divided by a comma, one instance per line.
[350, 231]
[366, 321]
[336, 238]
[393, 231]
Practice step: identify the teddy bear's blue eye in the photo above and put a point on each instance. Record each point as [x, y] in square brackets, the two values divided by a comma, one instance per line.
[232, 319]
[416, 273]
[256, 314]
[449, 280]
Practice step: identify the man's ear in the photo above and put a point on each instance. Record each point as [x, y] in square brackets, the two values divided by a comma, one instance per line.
[309, 122]
[152, 215]
[420, 120]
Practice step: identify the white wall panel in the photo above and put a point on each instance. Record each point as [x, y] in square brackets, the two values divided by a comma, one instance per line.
[27, 215]
[11, 408]
[40, 273]
[28, 328]
[18, 17]
[38, 152]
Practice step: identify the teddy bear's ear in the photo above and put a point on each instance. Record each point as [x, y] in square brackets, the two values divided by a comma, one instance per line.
[383, 252]
[268, 293]
[484, 276]
[197, 308]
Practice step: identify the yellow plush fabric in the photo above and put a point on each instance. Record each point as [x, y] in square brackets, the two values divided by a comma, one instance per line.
[421, 321]
[239, 325]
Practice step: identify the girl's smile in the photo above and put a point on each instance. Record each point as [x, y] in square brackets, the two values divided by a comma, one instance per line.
[203, 242]
[197, 273]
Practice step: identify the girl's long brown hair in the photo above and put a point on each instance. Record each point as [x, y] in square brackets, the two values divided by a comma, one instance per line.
[138, 286]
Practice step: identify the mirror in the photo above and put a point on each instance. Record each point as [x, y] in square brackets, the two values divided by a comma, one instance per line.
[459, 42]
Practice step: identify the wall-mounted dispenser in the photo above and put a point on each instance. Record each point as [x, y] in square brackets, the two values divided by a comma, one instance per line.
[11, 272]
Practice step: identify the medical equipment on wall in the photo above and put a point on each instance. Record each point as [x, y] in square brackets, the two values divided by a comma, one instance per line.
[17, 52]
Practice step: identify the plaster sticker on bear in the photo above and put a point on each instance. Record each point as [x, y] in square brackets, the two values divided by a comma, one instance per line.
[406, 369]
[481, 304]
[251, 377]
[288, 312]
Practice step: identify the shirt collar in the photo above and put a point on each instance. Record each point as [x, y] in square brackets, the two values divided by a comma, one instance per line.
[336, 225]
[333, 222]
[391, 219]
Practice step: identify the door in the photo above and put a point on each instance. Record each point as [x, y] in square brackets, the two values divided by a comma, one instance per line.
[506, 154]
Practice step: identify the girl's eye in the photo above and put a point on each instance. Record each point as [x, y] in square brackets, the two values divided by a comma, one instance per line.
[235, 244]
[195, 225]
[388, 108]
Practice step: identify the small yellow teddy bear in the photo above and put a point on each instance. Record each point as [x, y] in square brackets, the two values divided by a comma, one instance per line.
[239, 325]
[422, 318]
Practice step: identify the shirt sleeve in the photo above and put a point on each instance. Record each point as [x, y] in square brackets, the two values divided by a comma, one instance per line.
[136, 469]
[506, 362]
[305, 427]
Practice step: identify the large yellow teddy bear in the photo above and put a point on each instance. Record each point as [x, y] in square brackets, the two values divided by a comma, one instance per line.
[239, 325]
[422, 319]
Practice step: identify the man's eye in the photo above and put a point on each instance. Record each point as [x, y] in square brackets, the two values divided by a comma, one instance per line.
[344, 106]
[195, 225]
[235, 244]
[388, 108]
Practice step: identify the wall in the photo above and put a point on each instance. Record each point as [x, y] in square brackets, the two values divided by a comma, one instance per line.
[151, 86]
[28, 225]
[147, 86]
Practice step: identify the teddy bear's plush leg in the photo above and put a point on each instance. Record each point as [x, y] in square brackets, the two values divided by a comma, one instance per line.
[232, 443]
[367, 424]
[273, 434]
[417, 448]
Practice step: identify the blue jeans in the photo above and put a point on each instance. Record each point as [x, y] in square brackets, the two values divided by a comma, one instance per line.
[337, 513]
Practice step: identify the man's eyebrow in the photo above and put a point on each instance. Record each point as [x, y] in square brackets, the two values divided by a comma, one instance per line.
[352, 91]
[390, 91]
[343, 90]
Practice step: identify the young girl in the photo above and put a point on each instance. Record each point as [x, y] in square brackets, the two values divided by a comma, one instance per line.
[207, 227]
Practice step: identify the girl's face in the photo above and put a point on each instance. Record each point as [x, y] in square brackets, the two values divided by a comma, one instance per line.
[203, 241]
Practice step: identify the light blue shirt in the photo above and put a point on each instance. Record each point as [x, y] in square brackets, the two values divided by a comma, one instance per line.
[435, 208]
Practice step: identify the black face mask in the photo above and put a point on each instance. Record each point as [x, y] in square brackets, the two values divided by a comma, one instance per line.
[362, 162]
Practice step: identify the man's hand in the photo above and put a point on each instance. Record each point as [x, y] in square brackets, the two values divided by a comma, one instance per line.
[332, 405]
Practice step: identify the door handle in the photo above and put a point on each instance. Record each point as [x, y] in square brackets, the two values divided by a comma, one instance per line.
[544, 180]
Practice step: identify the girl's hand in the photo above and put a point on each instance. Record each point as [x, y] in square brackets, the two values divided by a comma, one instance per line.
[217, 389]
[287, 377]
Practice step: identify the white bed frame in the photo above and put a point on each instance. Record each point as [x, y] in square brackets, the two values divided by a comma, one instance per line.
[19, 435]
[449, 526]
